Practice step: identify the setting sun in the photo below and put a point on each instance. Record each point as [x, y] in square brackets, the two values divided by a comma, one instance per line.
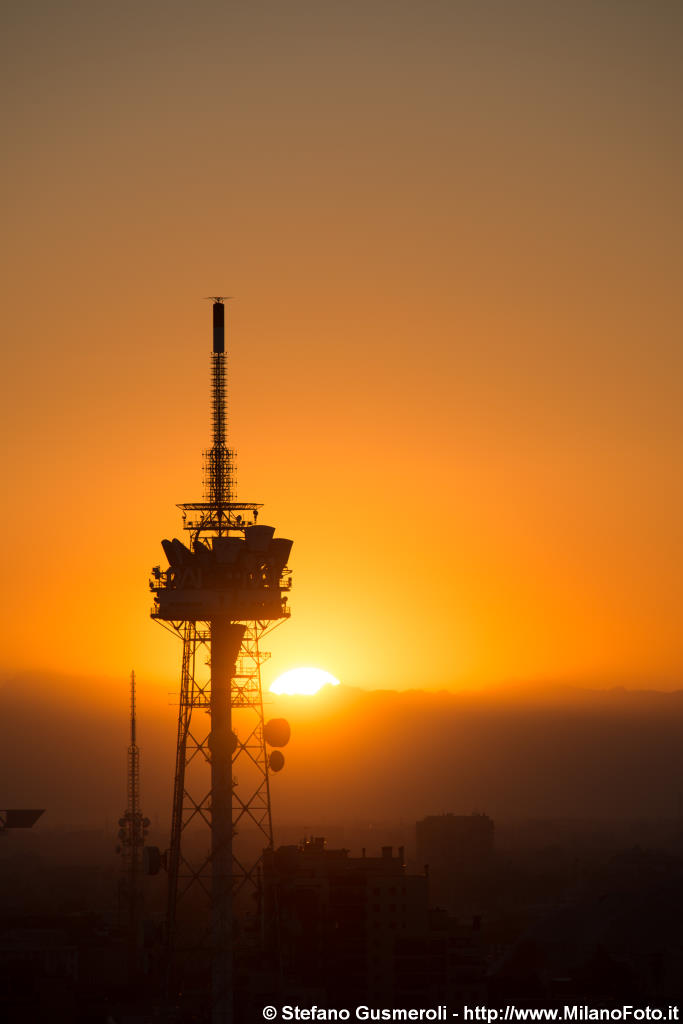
[302, 681]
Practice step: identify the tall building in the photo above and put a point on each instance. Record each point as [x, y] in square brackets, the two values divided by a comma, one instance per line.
[360, 929]
[339, 917]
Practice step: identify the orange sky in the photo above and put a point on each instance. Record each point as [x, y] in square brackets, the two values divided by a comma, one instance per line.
[453, 234]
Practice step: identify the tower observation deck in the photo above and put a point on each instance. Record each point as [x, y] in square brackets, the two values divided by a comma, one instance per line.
[221, 592]
[232, 567]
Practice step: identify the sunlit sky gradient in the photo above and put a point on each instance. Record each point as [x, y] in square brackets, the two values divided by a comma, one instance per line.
[453, 232]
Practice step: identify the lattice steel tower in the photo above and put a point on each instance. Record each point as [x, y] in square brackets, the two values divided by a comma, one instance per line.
[221, 593]
[132, 833]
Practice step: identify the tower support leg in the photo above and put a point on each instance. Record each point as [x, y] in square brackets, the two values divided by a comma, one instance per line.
[226, 639]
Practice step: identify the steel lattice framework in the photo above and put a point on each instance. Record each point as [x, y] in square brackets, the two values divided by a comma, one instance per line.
[251, 805]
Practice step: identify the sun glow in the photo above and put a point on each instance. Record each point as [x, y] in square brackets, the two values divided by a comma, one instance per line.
[305, 681]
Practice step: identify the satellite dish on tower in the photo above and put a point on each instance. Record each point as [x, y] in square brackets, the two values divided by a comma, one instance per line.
[277, 732]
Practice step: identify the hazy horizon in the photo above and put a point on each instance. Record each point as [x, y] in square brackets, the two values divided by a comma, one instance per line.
[361, 755]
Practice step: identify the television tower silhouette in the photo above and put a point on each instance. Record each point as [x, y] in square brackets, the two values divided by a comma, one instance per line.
[132, 833]
[221, 594]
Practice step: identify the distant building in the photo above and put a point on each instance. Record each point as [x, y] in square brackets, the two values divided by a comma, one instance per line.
[453, 842]
[356, 927]
[338, 916]
[456, 851]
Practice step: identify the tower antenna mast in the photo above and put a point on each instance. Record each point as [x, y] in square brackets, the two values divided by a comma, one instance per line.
[219, 458]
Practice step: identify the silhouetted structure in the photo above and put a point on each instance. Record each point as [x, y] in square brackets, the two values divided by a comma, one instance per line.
[457, 849]
[362, 928]
[454, 841]
[220, 594]
[339, 916]
[132, 834]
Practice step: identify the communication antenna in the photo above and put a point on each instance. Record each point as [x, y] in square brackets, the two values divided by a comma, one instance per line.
[221, 593]
[133, 828]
